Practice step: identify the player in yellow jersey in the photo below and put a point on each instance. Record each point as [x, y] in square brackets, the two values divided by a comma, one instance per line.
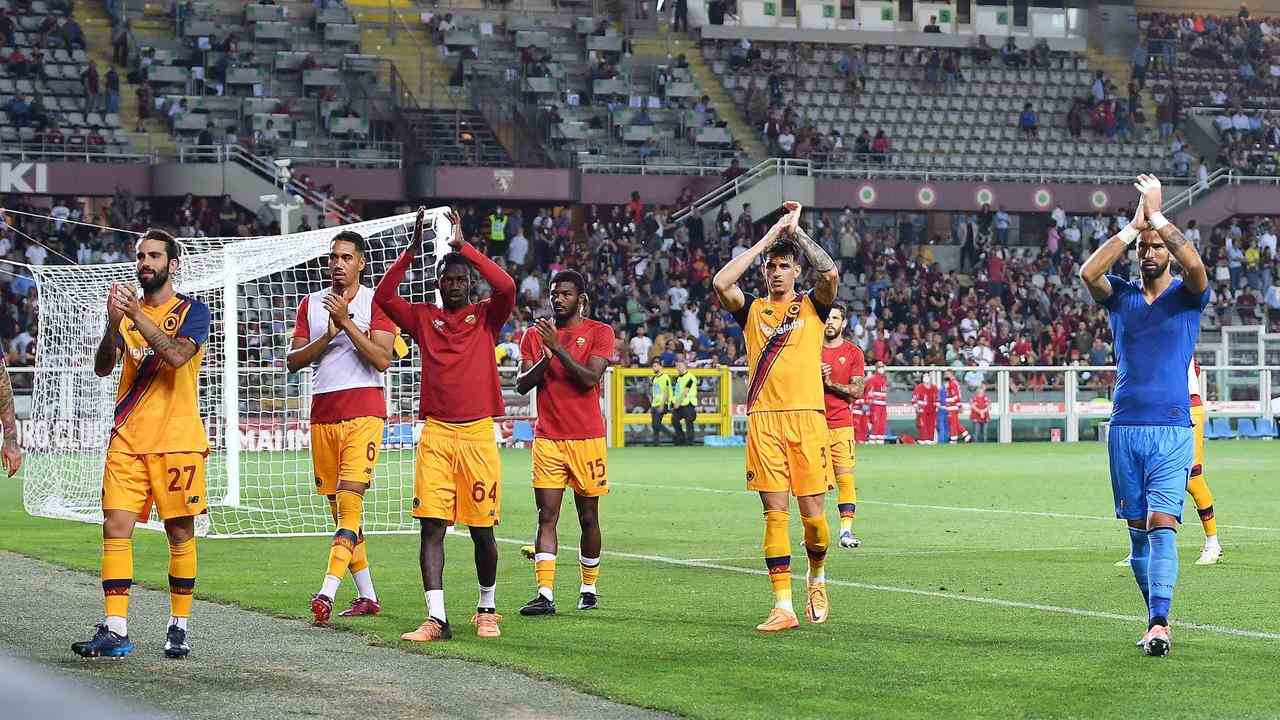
[786, 424]
[158, 444]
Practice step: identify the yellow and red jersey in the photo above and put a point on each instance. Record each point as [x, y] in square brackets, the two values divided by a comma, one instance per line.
[157, 405]
[784, 352]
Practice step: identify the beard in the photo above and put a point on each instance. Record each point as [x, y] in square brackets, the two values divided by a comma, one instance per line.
[1155, 272]
[155, 282]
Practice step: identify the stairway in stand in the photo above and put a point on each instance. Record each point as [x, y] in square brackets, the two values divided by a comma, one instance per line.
[96, 25]
[656, 50]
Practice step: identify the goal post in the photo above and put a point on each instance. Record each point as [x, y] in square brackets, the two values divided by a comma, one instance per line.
[257, 415]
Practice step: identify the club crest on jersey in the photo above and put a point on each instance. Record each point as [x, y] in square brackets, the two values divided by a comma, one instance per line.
[581, 341]
[842, 360]
[470, 319]
[170, 323]
[438, 323]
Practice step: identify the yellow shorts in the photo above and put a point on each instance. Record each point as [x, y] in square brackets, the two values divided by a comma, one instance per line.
[840, 451]
[174, 482]
[457, 473]
[787, 450]
[578, 464]
[345, 451]
[1197, 422]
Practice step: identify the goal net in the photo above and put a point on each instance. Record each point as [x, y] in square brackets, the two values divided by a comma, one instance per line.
[256, 413]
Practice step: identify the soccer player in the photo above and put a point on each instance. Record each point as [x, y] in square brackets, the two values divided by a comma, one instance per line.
[1151, 446]
[565, 360]
[158, 444]
[350, 341]
[10, 453]
[843, 368]
[1211, 552]
[661, 397]
[958, 432]
[876, 392]
[786, 427]
[457, 473]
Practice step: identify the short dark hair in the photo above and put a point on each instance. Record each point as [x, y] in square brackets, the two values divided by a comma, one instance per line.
[171, 247]
[844, 313]
[784, 247]
[572, 276]
[352, 237]
[453, 258]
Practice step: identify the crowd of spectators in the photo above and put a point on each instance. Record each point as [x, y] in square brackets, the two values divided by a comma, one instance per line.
[1001, 304]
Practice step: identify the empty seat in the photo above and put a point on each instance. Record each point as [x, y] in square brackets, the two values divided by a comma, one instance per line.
[1222, 428]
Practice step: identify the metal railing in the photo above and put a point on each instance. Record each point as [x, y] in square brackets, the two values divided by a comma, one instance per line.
[1221, 176]
[26, 152]
[759, 172]
[265, 169]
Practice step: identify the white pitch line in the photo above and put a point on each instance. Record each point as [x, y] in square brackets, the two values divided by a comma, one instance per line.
[914, 506]
[998, 602]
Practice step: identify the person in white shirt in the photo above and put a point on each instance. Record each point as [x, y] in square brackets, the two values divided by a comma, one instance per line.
[517, 249]
[1267, 239]
[640, 346]
[677, 295]
[1071, 235]
[1217, 97]
[786, 141]
[530, 287]
[1059, 217]
[1222, 123]
[59, 213]
[691, 323]
[36, 254]
[1192, 234]
[1240, 124]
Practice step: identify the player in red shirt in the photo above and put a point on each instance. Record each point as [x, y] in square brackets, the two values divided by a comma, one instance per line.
[954, 428]
[843, 368]
[457, 471]
[980, 412]
[565, 360]
[876, 392]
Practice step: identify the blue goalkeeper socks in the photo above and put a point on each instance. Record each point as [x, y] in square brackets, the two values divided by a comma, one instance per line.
[1163, 572]
[1139, 550]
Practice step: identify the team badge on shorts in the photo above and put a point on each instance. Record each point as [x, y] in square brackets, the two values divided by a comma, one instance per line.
[416, 502]
[750, 476]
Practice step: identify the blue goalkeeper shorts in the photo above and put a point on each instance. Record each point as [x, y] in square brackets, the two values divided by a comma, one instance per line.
[1150, 466]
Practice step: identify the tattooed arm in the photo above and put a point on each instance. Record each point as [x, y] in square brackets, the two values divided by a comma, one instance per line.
[852, 391]
[828, 279]
[1194, 276]
[174, 351]
[9, 450]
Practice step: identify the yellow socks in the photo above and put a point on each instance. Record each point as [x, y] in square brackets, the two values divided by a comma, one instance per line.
[117, 577]
[590, 568]
[544, 572]
[1203, 498]
[847, 500]
[777, 557]
[350, 508]
[817, 536]
[182, 577]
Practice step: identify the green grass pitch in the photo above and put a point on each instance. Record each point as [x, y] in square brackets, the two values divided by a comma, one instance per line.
[985, 587]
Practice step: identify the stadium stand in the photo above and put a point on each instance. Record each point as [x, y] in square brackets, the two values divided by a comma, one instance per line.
[54, 99]
[937, 108]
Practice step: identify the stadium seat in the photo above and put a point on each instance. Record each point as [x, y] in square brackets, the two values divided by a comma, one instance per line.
[1222, 428]
[1209, 432]
[1245, 428]
[1266, 428]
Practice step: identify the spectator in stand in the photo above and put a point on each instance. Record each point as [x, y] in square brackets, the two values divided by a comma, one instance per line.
[982, 52]
[1029, 122]
[1140, 56]
[1098, 91]
[1002, 227]
[932, 27]
[92, 85]
[881, 147]
[1011, 54]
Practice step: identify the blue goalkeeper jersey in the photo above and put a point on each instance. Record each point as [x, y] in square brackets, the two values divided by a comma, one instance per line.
[1154, 345]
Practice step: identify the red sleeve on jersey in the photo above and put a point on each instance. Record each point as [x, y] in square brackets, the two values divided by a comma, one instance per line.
[530, 347]
[857, 364]
[378, 320]
[301, 326]
[498, 306]
[602, 343]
